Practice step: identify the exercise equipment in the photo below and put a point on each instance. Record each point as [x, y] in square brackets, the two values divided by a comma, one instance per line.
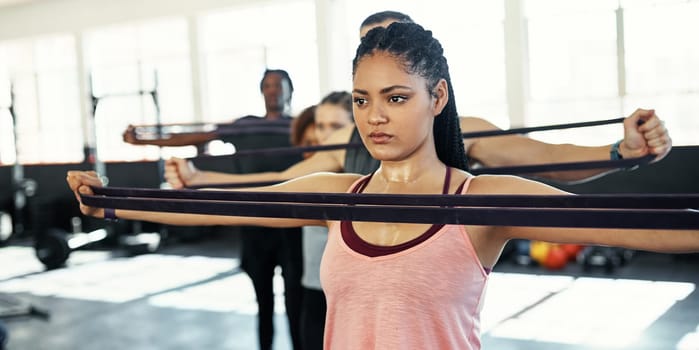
[151, 132]
[519, 251]
[526, 130]
[552, 256]
[556, 259]
[526, 169]
[147, 131]
[94, 104]
[54, 247]
[606, 258]
[572, 250]
[539, 251]
[655, 201]
[11, 306]
[137, 242]
[583, 211]
[22, 188]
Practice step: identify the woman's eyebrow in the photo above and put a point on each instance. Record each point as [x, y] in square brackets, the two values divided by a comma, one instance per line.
[384, 90]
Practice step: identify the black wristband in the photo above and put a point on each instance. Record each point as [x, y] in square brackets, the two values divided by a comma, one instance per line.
[110, 215]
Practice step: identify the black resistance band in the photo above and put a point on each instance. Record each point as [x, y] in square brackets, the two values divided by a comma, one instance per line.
[534, 217]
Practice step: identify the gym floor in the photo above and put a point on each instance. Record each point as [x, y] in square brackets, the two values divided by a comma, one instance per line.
[193, 296]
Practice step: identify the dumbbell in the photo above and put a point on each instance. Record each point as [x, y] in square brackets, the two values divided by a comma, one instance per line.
[54, 247]
[609, 258]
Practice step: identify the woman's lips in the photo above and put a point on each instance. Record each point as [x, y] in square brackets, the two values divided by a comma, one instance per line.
[379, 137]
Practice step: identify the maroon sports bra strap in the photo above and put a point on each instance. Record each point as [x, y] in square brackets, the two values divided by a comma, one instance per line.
[359, 188]
[352, 239]
[447, 181]
[461, 187]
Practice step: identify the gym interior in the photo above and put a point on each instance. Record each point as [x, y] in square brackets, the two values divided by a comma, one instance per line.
[74, 74]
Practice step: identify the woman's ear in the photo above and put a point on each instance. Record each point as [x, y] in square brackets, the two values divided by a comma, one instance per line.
[441, 96]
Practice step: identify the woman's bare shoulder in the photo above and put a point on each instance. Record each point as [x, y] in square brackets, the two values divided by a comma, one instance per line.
[508, 184]
[323, 182]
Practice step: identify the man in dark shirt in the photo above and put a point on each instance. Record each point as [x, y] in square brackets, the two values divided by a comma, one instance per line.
[263, 249]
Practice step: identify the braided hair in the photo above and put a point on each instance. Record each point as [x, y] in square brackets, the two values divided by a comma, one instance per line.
[420, 53]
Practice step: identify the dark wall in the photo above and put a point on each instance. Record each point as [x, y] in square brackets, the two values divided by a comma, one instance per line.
[53, 204]
[676, 173]
[5, 187]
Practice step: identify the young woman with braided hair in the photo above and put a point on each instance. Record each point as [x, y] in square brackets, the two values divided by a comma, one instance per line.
[409, 286]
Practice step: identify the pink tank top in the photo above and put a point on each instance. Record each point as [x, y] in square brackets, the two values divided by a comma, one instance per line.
[425, 295]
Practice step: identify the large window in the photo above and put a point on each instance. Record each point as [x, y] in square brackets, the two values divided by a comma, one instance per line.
[662, 63]
[573, 68]
[240, 43]
[603, 59]
[42, 73]
[124, 61]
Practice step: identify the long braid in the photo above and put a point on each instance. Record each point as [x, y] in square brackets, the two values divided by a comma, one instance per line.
[420, 53]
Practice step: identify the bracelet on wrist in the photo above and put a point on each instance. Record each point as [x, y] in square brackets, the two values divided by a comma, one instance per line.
[614, 154]
[614, 151]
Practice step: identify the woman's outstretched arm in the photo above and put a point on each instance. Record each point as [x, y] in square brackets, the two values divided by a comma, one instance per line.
[80, 183]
